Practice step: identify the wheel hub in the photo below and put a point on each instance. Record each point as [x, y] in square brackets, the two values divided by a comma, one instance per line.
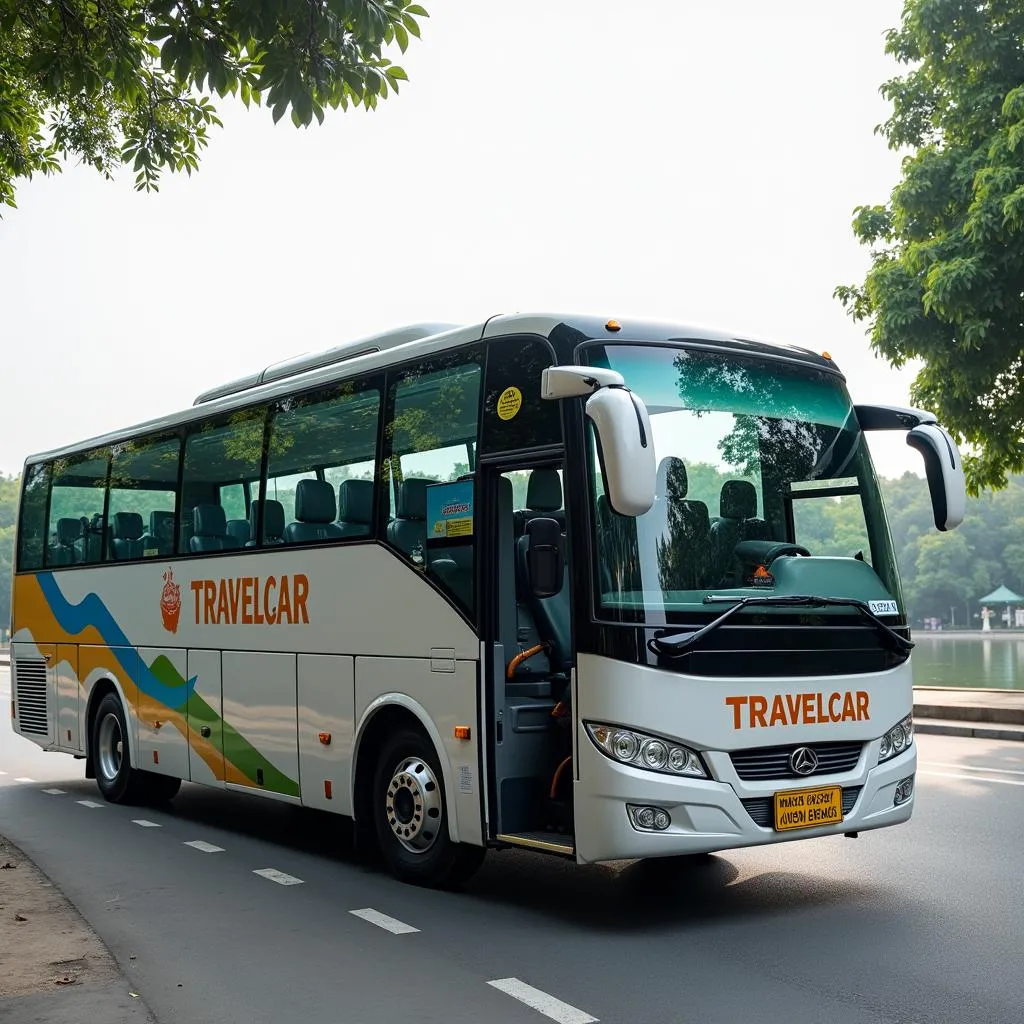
[110, 747]
[413, 804]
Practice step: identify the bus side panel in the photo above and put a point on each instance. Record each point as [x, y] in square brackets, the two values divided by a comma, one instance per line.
[163, 730]
[205, 725]
[69, 700]
[447, 692]
[326, 685]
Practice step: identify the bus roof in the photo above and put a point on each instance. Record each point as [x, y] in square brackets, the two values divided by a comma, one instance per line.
[379, 351]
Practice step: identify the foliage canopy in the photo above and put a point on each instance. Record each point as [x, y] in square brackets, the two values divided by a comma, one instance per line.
[946, 281]
[130, 81]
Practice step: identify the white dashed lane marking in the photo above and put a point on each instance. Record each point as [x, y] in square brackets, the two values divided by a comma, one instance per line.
[972, 768]
[24, 779]
[963, 776]
[55, 792]
[198, 844]
[552, 1008]
[389, 924]
[144, 823]
[89, 803]
[277, 876]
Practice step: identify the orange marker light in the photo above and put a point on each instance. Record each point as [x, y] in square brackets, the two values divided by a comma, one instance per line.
[826, 355]
[613, 325]
[327, 789]
[325, 738]
[462, 732]
[156, 757]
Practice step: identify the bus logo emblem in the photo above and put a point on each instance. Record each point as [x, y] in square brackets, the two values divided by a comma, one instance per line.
[803, 761]
[170, 602]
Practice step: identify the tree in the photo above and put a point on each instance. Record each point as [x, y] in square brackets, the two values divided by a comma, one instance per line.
[947, 251]
[130, 81]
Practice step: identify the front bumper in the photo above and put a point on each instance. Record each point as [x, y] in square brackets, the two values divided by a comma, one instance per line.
[709, 815]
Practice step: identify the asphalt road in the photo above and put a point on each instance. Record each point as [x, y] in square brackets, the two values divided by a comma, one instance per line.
[923, 923]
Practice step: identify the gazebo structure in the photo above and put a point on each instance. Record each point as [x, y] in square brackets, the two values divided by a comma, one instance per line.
[1004, 596]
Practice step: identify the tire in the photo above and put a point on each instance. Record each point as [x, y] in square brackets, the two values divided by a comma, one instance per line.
[411, 819]
[118, 781]
[160, 789]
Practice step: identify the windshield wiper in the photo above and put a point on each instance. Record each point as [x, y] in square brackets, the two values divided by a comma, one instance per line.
[677, 644]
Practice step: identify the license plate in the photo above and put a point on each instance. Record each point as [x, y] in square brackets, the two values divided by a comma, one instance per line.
[808, 808]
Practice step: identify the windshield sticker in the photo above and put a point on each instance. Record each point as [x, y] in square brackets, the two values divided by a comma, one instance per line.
[510, 401]
[450, 510]
[761, 578]
[883, 608]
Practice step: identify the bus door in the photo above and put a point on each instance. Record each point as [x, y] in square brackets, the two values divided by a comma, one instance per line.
[530, 662]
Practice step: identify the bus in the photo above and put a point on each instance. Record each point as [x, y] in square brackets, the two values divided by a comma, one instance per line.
[600, 589]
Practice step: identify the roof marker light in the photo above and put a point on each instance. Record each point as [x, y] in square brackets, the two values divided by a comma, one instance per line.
[613, 325]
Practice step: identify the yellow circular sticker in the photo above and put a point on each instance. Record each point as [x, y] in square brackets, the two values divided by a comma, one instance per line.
[510, 401]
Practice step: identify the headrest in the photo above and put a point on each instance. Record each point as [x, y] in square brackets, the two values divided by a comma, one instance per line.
[694, 516]
[127, 526]
[738, 500]
[68, 530]
[544, 491]
[273, 518]
[161, 524]
[239, 529]
[355, 501]
[412, 499]
[314, 502]
[208, 521]
[672, 481]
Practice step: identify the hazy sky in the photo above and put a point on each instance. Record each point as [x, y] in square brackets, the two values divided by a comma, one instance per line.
[697, 162]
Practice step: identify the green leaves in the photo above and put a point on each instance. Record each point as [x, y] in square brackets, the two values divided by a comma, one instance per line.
[947, 250]
[129, 81]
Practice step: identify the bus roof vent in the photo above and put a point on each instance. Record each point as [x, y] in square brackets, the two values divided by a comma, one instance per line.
[329, 357]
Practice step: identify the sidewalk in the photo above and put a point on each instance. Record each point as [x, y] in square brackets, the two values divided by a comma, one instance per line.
[987, 714]
[53, 967]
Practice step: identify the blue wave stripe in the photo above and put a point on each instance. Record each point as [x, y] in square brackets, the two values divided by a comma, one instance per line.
[91, 611]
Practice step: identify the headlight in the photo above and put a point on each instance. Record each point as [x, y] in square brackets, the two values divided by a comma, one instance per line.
[897, 739]
[642, 751]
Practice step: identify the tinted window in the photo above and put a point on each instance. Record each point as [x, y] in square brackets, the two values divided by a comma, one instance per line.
[515, 416]
[143, 498]
[32, 520]
[77, 523]
[222, 457]
[432, 440]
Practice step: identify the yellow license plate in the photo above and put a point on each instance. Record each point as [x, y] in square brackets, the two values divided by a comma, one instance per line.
[808, 808]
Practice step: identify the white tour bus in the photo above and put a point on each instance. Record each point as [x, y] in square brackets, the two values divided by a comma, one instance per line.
[557, 583]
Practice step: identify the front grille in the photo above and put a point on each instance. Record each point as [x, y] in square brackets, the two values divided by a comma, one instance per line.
[773, 762]
[760, 808]
[30, 693]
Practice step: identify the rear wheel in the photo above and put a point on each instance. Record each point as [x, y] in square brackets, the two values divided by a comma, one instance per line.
[117, 780]
[411, 819]
[160, 789]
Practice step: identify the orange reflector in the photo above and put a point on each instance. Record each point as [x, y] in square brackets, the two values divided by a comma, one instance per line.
[327, 789]
[69, 735]
[156, 757]
[613, 325]
[325, 738]
[462, 732]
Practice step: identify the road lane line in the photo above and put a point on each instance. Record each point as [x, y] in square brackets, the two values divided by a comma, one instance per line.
[144, 823]
[198, 844]
[24, 778]
[277, 876]
[89, 803]
[389, 924]
[973, 778]
[972, 767]
[55, 792]
[551, 1007]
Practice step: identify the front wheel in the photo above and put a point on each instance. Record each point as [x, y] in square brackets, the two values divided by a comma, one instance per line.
[411, 819]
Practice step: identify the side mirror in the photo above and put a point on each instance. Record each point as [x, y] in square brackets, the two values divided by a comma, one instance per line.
[545, 562]
[625, 448]
[945, 473]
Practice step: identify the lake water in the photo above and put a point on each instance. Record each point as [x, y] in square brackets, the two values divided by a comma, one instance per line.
[947, 659]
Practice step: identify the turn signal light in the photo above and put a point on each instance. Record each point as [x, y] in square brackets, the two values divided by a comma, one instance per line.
[462, 732]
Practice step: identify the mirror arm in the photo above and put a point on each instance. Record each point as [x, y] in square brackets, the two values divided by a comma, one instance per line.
[891, 417]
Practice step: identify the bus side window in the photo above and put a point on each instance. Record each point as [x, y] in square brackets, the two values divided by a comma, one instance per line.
[143, 499]
[32, 519]
[77, 521]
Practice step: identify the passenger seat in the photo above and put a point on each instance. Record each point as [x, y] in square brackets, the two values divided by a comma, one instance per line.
[408, 530]
[543, 499]
[239, 529]
[62, 551]
[315, 509]
[160, 538]
[126, 536]
[273, 523]
[209, 530]
[355, 508]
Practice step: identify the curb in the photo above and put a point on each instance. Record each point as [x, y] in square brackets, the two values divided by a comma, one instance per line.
[943, 727]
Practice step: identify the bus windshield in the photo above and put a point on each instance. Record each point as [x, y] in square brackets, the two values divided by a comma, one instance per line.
[761, 463]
